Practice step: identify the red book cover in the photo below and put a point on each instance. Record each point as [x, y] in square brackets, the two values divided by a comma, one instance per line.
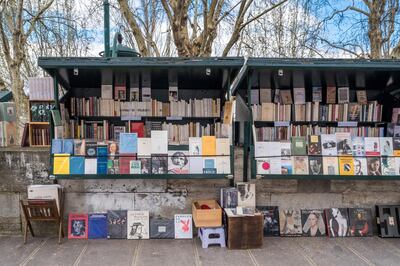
[124, 163]
[138, 127]
[77, 226]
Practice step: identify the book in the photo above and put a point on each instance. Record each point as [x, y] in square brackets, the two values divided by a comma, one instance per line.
[178, 162]
[372, 147]
[277, 96]
[374, 166]
[313, 222]
[120, 93]
[271, 219]
[343, 141]
[328, 144]
[396, 146]
[358, 146]
[246, 194]
[117, 224]
[45, 192]
[286, 96]
[255, 95]
[360, 222]
[346, 166]
[299, 95]
[229, 197]
[102, 165]
[138, 128]
[286, 166]
[299, 146]
[135, 167]
[138, 225]
[314, 145]
[343, 94]
[330, 165]
[90, 166]
[117, 130]
[209, 165]
[145, 164]
[102, 150]
[267, 148]
[330, 95]
[125, 163]
[77, 226]
[269, 165]
[113, 166]
[183, 226]
[61, 164]
[396, 115]
[208, 145]
[128, 143]
[134, 94]
[77, 165]
[106, 92]
[113, 150]
[97, 225]
[162, 228]
[159, 164]
[146, 94]
[286, 148]
[290, 222]
[360, 166]
[195, 152]
[315, 165]
[361, 96]
[159, 142]
[79, 147]
[144, 147]
[337, 222]
[354, 112]
[223, 164]
[300, 165]
[388, 166]
[90, 149]
[386, 146]
[317, 94]
[55, 114]
[265, 95]
[56, 146]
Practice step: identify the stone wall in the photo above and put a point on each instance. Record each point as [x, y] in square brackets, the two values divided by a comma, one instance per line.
[21, 167]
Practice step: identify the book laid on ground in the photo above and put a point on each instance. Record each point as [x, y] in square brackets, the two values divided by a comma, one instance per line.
[178, 162]
[330, 165]
[314, 145]
[372, 147]
[313, 222]
[271, 219]
[97, 225]
[346, 166]
[344, 145]
[77, 226]
[337, 222]
[138, 225]
[386, 146]
[247, 194]
[360, 166]
[388, 165]
[229, 197]
[328, 144]
[315, 165]
[117, 224]
[300, 165]
[162, 228]
[290, 222]
[159, 142]
[183, 226]
[360, 222]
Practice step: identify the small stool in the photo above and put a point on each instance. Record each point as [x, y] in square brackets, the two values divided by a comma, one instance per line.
[214, 235]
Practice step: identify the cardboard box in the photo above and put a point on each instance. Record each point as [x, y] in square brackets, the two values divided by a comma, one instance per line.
[207, 217]
[245, 232]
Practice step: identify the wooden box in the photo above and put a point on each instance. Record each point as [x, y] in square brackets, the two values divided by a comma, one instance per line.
[207, 217]
[245, 232]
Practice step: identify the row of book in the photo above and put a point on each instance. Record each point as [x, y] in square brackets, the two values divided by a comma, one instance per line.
[286, 132]
[8, 133]
[94, 106]
[40, 136]
[177, 133]
[342, 144]
[371, 112]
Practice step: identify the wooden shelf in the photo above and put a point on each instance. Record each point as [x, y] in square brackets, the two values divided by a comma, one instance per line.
[39, 123]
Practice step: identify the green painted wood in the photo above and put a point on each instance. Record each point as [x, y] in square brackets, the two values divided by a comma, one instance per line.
[331, 177]
[143, 176]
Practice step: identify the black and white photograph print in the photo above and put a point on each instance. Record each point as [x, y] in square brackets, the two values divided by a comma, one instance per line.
[246, 194]
[178, 162]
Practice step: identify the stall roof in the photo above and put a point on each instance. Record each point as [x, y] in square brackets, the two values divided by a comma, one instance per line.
[5, 96]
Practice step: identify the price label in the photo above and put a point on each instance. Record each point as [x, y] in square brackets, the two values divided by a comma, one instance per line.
[348, 124]
[131, 118]
[281, 123]
[174, 117]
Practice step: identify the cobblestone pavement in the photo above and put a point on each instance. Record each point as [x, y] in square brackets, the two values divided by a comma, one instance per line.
[276, 251]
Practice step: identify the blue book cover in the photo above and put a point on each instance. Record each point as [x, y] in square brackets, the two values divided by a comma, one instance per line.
[102, 151]
[56, 146]
[77, 165]
[128, 143]
[68, 146]
[97, 225]
[102, 165]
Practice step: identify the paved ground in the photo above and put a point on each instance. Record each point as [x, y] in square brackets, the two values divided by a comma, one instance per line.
[276, 251]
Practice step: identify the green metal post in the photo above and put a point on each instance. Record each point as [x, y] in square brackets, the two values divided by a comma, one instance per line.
[247, 130]
[51, 124]
[106, 28]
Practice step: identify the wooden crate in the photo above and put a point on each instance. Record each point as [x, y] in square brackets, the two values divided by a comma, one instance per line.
[39, 134]
[207, 217]
[245, 232]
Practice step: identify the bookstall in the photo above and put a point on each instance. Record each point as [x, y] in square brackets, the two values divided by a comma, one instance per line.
[141, 117]
[323, 119]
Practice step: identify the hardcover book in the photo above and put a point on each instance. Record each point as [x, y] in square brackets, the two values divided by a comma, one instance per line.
[135, 167]
[328, 144]
[372, 146]
[337, 222]
[343, 140]
[159, 142]
[360, 166]
[346, 166]
[159, 164]
[178, 162]
[374, 166]
[117, 131]
[120, 93]
[286, 166]
[388, 165]
[314, 145]
[317, 94]
[358, 146]
[208, 145]
[77, 165]
[271, 219]
[138, 225]
[77, 226]
[386, 145]
[315, 163]
[97, 225]
[134, 94]
[229, 197]
[299, 146]
[138, 128]
[290, 222]
[330, 165]
[117, 224]
[313, 222]
[246, 195]
[183, 226]
[265, 95]
[128, 143]
[360, 222]
[106, 92]
[300, 165]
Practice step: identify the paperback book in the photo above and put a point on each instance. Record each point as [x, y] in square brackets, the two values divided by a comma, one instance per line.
[269, 165]
[299, 146]
[313, 222]
[138, 225]
[271, 219]
[229, 197]
[360, 222]
[183, 226]
[337, 221]
[386, 145]
[388, 166]
[314, 145]
[97, 225]
[372, 146]
[77, 226]
[290, 222]
[178, 162]
[159, 164]
[358, 148]
[315, 165]
[346, 166]
[286, 166]
[330, 165]
[360, 166]
[300, 165]
[328, 144]
[343, 140]
[374, 166]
